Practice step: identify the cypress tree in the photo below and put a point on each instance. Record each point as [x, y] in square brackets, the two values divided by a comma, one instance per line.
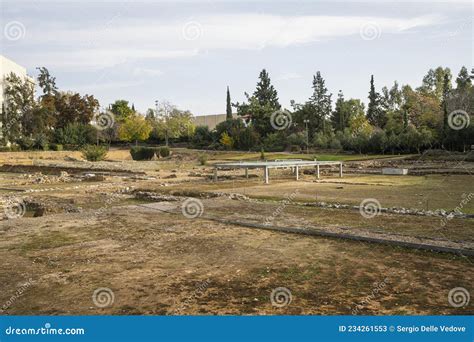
[444, 105]
[374, 112]
[228, 107]
[337, 117]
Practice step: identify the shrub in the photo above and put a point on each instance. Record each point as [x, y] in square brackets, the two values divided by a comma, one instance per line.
[262, 154]
[298, 139]
[164, 152]
[275, 142]
[245, 138]
[56, 147]
[76, 134]
[378, 141]
[360, 142]
[320, 140]
[94, 152]
[26, 143]
[4, 149]
[142, 153]
[40, 142]
[202, 137]
[229, 126]
[335, 144]
[15, 148]
[202, 158]
[226, 141]
[295, 148]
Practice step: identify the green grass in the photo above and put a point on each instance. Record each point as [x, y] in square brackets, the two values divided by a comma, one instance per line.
[47, 240]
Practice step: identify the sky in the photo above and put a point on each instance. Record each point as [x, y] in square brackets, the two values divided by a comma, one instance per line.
[188, 52]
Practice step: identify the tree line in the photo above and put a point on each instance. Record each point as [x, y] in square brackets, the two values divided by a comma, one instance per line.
[399, 119]
[59, 119]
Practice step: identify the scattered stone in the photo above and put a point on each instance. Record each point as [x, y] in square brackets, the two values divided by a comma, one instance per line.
[171, 176]
[39, 178]
[146, 195]
[138, 177]
[194, 174]
[394, 210]
[92, 177]
[68, 158]
[238, 197]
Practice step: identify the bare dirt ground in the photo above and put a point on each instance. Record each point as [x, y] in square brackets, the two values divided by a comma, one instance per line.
[98, 233]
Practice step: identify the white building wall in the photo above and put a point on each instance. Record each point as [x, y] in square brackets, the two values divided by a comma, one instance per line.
[7, 66]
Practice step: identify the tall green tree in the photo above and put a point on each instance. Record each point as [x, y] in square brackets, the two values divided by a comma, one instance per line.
[320, 104]
[463, 81]
[433, 82]
[337, 116]
[265, 93]
[260, 105]
[444, 105]
[47, 100]
[344, 110]
[19, 101]
[47, 82]
[121, 110]
[375, 114]
[228, 109]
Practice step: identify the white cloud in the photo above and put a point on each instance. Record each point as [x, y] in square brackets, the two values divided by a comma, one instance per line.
[95, 59]
[125, 40]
